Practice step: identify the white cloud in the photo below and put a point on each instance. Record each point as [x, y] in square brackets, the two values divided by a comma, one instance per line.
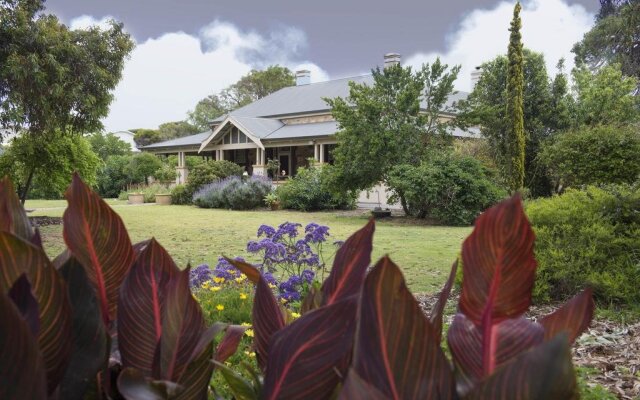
[166, 76]
[548, 26]
[87, 21]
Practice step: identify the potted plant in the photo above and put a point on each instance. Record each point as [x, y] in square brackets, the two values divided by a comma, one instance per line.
[272, 201]
[135, 198]
[163, 199]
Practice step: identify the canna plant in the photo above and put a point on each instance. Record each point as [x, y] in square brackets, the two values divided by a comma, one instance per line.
[110, 319]
[364, 336]
[105, 319]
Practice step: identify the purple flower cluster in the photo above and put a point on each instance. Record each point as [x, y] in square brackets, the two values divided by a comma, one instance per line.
[227, 271]
[199, 275]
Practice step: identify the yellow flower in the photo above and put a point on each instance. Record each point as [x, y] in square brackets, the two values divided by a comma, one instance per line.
[272, 286]
[218, 280]
[249, 332]
[250, 353]
[206, 285]
[283, 300]
[215, 288]
[219, 307]
[243, 296]
[245, 324]
[295, 315]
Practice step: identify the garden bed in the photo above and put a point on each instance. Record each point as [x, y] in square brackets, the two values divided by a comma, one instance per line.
[609, 349]
[45, 221]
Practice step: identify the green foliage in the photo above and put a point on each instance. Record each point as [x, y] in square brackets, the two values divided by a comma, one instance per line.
[177, 129]
[144, 137]
[42, 166]
[251, 87]
[142, 166]
[165, 173]
[613, 39]
[594, 155]
[588, 392]
[382, 124]
[190, 161]
[588, 238]
[236, 301]
[233, 193]
[108, 145]
[486, 107]
[310, 190]
[114, 177]
[180, 195]
[211, 171]
[515, 138]
[605, 96]
[450, 188]
[54, 79]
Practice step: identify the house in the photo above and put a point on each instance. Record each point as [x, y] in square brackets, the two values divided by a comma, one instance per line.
[127, 137]
[290, 125]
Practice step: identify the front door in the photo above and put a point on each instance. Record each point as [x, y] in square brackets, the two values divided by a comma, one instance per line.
[284, 165]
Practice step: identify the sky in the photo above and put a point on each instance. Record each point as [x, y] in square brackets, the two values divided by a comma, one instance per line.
[189, 49]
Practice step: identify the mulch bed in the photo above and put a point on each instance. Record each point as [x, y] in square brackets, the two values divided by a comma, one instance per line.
[613, 348]
[45, 221]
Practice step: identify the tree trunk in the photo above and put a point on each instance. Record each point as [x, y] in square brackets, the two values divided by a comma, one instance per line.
[27, 185]
[403, 202]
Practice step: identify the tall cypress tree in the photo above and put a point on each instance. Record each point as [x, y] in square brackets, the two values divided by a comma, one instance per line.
[515, 141]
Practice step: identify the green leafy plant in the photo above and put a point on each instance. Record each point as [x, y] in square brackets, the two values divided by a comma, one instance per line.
[363, 334]
[180, 195]
[309, 191]
[105, 315]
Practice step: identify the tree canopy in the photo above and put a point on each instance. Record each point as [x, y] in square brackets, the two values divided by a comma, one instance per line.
[46, 163]
[108, 145]
[251, 87]
[394, 121]
[614, 39]
[53, 79]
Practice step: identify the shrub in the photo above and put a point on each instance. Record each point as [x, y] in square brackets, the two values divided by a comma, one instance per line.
[309, 191]
[345, 344]
[142, 166]
[594, 155]
[114, 178]
[209, 172]
[233, 193]
[588, 237]
[180, 195]
[150, 191]
[450, 188]
[165, 174]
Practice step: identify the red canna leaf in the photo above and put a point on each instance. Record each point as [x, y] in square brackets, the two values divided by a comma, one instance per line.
[182, 327]
[266, 314]
[544, 372]
[21, 295]
[512, 337]
[572, 318]
[349, 266]
[22, 371]
[438, 309]
[97, 237]
[18, 257]
[90, 350]
[396, 352]
[499, 270]
[229, 343]
[357, 388]
[308, 358]
[141, 305]
[13, 218]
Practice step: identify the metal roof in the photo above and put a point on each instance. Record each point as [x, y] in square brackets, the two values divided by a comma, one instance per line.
[306, 99]
[258, 127]
[304, 130]
[193, 140]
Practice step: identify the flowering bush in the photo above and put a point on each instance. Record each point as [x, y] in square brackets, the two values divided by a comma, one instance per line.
[295, 258]
[233, 193]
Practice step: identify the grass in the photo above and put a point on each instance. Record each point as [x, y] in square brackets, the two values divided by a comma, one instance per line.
[194, 235]
[36, 204]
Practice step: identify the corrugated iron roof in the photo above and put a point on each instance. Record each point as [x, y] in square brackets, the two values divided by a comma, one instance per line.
[193, 140]
[305, 99]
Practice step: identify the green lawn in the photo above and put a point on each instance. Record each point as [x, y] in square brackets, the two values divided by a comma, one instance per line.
[196, 235]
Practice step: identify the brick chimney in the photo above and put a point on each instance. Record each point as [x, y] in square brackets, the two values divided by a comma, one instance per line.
[392, 59]
[303, 77]
[475, 76]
